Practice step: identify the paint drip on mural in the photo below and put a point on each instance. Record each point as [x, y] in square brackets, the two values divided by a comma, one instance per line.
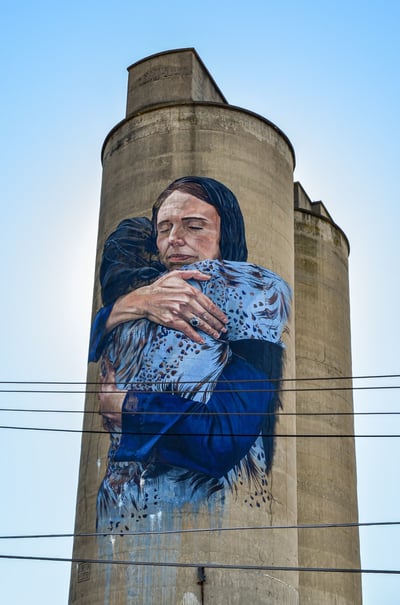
[190, 352]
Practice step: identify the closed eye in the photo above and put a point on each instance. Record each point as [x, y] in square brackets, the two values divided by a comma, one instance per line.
[194, 223]
[164, 228]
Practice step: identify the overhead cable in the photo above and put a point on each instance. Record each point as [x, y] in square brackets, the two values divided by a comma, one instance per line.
[271, 390]
[227, 567]
[200, 530]
[303, 378]
[192, 434]
[210, 413]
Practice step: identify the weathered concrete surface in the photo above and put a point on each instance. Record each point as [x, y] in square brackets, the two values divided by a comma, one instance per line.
[173, 76]
[326, 472]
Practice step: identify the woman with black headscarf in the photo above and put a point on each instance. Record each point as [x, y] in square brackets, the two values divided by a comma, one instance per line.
[164, 433]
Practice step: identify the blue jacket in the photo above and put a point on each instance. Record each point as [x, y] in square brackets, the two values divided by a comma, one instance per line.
[208, 438]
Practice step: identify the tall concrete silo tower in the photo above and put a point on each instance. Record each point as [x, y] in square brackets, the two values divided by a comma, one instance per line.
[326, 475]
[178, 123]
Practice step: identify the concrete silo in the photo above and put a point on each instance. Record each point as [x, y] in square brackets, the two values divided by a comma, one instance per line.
[178, 123]
[326, 475]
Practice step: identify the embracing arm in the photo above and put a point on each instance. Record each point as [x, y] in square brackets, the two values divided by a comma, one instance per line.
[169, 301]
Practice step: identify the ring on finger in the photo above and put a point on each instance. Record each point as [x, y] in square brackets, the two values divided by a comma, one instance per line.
[194, 321]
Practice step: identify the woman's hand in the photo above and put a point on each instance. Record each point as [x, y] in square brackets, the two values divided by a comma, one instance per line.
[171, 302]
[110, 397]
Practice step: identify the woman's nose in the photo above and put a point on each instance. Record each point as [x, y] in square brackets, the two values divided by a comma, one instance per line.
[176, 235]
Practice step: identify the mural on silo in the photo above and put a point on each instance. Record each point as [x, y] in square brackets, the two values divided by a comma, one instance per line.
[190, 350]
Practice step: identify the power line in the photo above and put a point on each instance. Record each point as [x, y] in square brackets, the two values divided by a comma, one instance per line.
[168, 387]
[303, 378]
[161, 413]
[201, 530]
[227, 567]
[192, 434]
[183, 383]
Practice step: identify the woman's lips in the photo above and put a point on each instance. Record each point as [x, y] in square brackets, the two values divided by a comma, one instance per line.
[179, 258]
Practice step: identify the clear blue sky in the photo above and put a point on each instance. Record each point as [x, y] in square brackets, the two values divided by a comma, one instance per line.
[327, 74]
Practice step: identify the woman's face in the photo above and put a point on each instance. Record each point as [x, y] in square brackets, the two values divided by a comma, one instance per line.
[188, 230]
